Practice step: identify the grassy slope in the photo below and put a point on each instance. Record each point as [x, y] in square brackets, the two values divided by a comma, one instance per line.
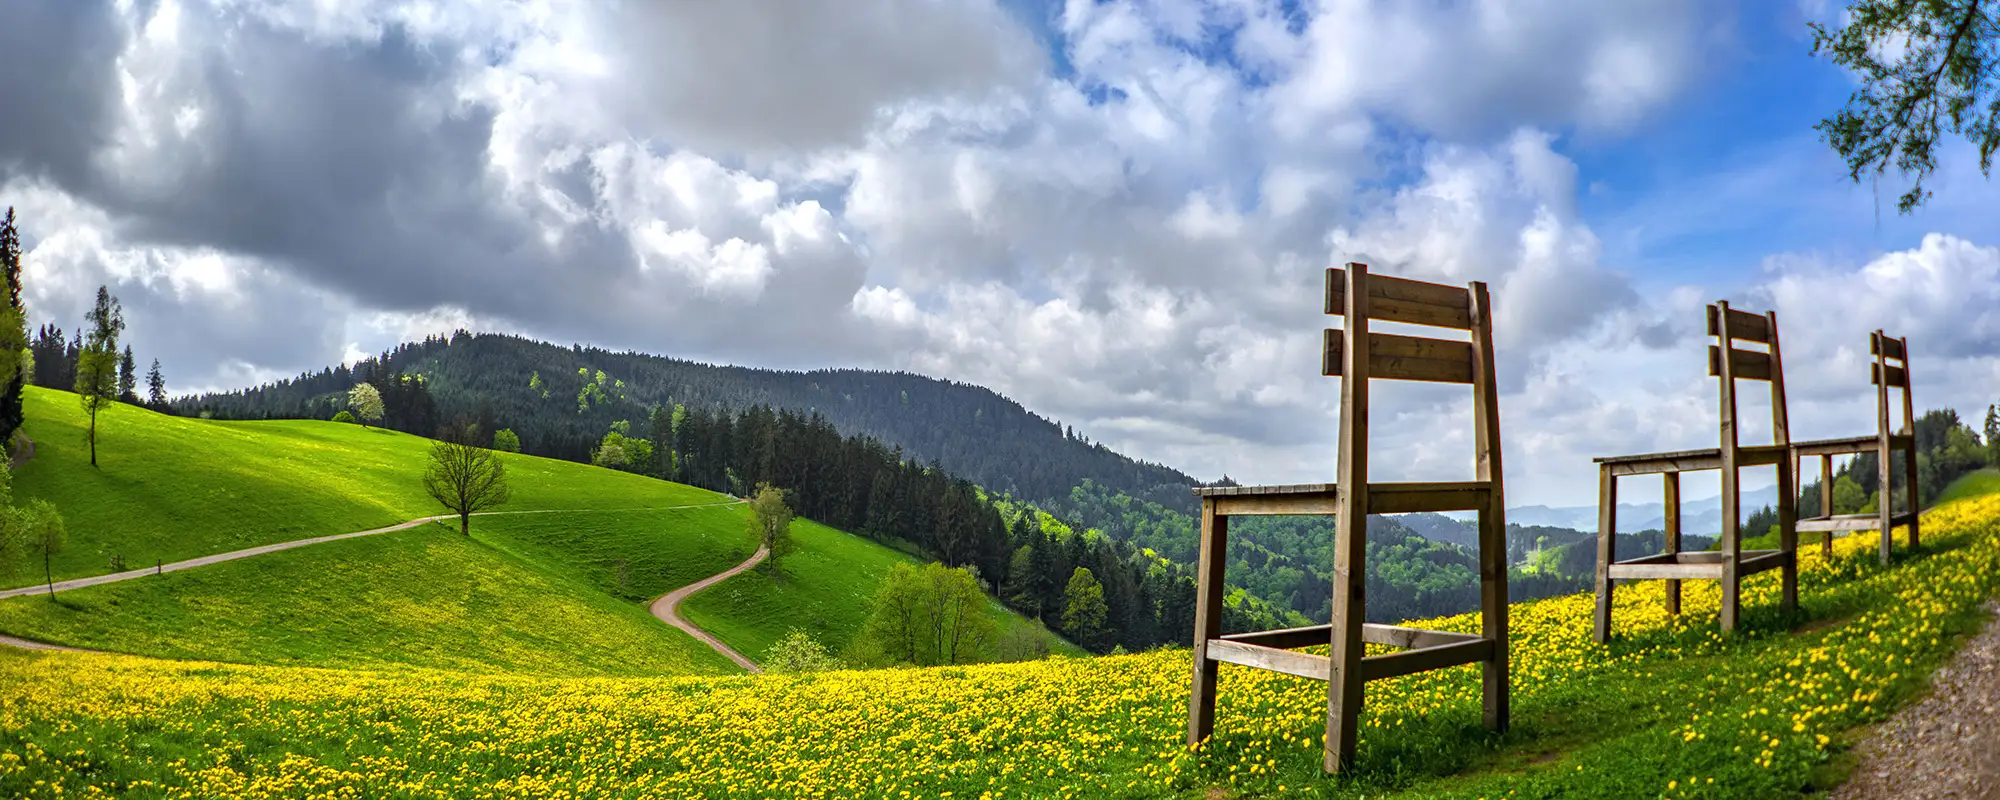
[425, 597]
[1671, 709]
[660, 550]
[169, 488]
[824, 587]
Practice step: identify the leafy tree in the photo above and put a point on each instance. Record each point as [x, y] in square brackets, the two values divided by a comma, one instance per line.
[156, 386]
[927, 616]
[366, 403]
[1084, 611]
[465, 477]
[771, 523]
[13, 329]
[504, 440]
[344, 416]
[1848, 496]
[128, 378]
[1993, 435]
[1924, 65]
[97, 365]
[799, 652]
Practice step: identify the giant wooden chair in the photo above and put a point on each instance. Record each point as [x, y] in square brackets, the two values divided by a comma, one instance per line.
[1883, 443]
[1359, 355]
[1732, 563]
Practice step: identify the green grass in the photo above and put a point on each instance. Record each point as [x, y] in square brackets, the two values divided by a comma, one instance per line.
[1973, 484]
[659, 551]
[1669, 709]
[424, 597]
[825, 588]
[170, 488]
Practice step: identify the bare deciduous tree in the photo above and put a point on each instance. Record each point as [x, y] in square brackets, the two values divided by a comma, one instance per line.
[465, 477]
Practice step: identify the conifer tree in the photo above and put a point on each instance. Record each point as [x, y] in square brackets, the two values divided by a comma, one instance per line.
[97, 364]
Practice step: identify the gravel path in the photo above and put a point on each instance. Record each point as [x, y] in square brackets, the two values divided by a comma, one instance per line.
[668, 609]
[1948, 745]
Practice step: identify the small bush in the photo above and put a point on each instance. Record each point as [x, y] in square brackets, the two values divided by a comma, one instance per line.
[344, 416]
[798, 652]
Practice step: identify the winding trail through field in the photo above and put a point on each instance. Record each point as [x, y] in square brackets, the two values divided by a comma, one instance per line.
[668, 609]
[94, 580]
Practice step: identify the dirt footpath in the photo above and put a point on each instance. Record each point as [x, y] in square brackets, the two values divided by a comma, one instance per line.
[1948, 745]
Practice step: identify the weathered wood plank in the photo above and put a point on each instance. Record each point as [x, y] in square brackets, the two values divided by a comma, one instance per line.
[1290, 488]
[1640, 572]
[1898, 376]
[1749, 364]
[1888, 348]
[1371, 633]
[1456, 367]
[1403, 300]
[1672, 530]
[1209, 589]
[1495, 680]
[1350, 549]
[1607, 549]
[1742, 325]
[1290, 662]
[1392, 499]
[1375, 668]
[1277, 505]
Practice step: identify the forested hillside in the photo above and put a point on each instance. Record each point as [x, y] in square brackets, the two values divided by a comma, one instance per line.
[560, 401]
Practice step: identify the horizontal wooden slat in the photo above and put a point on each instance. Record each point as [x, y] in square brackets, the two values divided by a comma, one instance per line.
[1465, 497]
[1304, 665]
[1897, 376]
[1276, 505]
[1389, 344]
[1399, 636]
[1425, 659]
[1372, 633]
[1837, 447]
[1678, 572]
[1289, 488]
[1742, 325]
[1851, 522]
[1386, 366]
[1887, 346]
[1747, 363]
[1760, 561]
[1404, 300]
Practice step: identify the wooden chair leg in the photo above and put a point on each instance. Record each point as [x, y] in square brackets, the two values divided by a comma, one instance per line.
[1826, 502]
[1788, 534]
[1673, 534]
[1885, 508]
[1607, 548]
[1344, 683]
[1916, 505]
[1493, 612]
[1207, 621]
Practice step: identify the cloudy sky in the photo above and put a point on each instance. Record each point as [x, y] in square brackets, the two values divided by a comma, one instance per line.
[1114, 212]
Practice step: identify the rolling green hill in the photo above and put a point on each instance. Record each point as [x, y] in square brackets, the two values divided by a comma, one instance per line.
[423, 597]
[169, 488]
[555, 583]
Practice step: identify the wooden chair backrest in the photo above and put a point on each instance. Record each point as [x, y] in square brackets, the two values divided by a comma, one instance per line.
[1886, 349]
[1353, 351]
[1730, 326]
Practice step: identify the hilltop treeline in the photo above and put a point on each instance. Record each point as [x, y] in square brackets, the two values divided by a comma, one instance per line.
[560, 400]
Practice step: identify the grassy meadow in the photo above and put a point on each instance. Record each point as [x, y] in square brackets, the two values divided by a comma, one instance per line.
[825, 588]
[424, 597]
[169, 488]
[1669, 709]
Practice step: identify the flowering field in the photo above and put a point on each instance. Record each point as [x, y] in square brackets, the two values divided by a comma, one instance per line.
[1671, 709]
